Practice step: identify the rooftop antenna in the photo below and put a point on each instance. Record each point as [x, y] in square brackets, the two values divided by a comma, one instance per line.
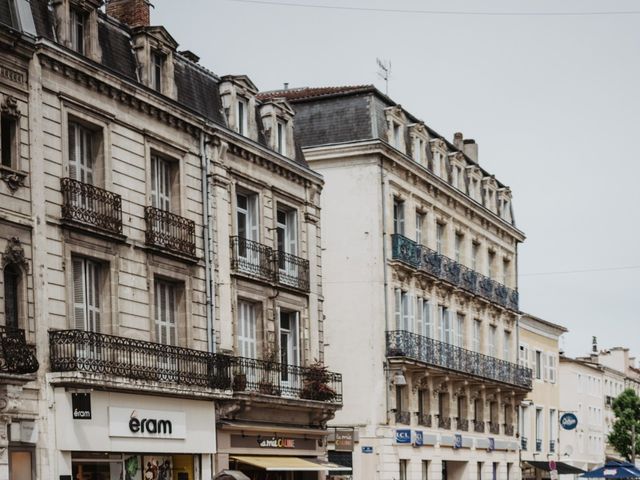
[384, 73]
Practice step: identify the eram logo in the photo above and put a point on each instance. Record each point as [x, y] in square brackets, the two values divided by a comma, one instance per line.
[569, 421]
[149, 425]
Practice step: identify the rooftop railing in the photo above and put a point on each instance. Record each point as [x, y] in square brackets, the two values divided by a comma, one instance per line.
[89, 205]
[424, 259]
[401, 343]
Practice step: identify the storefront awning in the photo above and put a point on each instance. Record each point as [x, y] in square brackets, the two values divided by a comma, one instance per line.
[289, 464]
[563, 468]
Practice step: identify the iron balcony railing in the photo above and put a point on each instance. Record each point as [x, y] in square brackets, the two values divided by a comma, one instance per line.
[403, 417]
[494, 428]
[478, 426]
[16, 356]
[444, 422]
[508, 429]
[523, 443]
[171, 232]
[259, 261]
[90, 352]
[89, 205]
[401, 343]
[424, 420]
[463, 424]
[426, 260]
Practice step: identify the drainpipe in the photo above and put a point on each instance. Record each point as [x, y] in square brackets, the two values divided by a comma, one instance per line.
[206, 217]
[385, 276]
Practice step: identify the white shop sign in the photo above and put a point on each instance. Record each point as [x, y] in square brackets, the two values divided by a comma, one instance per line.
[142, 423]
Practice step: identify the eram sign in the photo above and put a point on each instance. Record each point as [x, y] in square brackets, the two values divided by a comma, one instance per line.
[133, 422]
[568, 421]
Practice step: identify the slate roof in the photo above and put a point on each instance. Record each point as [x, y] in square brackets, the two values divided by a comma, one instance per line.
[303, 93]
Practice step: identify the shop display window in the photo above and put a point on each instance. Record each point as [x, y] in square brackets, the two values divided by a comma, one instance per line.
[129, 466]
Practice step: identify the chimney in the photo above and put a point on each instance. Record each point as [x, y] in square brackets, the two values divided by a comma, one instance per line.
[470, 149]
[594, 345]
[286, 86]
[134, 13]
[457, 140]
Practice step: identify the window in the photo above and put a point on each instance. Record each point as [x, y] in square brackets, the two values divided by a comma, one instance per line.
[82, 153]
[281, 138]
[460, 330]
[495, 471]
[423, 317]
[242, 116]
[287, 231]
[479, 471]
[440, 237]
[437, 162]
[247, 216]
[506, 346]
[8, 141]
[446, 332]
[458, 247]
[539, 429]
[524, 355]
[289, 350]
[538, 365]
[403, 310]
[425, 470]
[78, 27]
[165, 312]
[396, 139]
[161, 182]
[477, 331]
[455, 176]
[404, 469]
[493, 330]
[157, 66]
[491, 264]
[506, 267]
[398, 216]
[86, 294]
[11, 282]
[553, 421]
[419, 226]
[552, 368]
[21, 464]
[247, 329]
[475, 249]
[418, 149]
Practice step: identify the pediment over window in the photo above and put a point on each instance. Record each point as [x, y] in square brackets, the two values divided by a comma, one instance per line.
[161, 36]
[242, 83]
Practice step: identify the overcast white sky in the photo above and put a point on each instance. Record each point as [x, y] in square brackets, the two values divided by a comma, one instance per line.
[553, 102]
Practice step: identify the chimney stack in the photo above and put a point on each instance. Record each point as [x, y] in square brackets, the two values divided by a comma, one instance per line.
[457, 140]
[594, 345]
[470, 149]
[134, 13]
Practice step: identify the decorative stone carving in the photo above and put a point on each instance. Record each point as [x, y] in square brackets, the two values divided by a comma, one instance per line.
[13, 179]
[10, 107]
[14, 253]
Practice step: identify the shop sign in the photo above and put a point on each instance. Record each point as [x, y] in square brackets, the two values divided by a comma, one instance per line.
[568, 421]
[457, 442]
[274, 441]
[367, 449]
[403, 436]
[138, 423]
[419, 439]
[81, 406]
[344, 440]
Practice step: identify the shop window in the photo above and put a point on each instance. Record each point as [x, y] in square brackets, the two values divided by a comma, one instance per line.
[21, 465]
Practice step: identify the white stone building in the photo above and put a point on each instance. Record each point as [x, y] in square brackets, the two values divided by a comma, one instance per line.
[420, 276]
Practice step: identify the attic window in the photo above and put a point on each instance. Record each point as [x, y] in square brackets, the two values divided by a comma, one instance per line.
[396, 135]
[157, 66]
[78, 27]
[242, 116]
[281, 138]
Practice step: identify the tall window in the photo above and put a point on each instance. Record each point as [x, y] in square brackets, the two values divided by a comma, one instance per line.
[506, 267]
[425, 470]
[418, 149]
[477, 338]
[539, 429]
[86, 294]
[446, 331]
[551, 363]
[11, 280]
[161, 180]
[437, 163]
[281, 138]
[440, 237]
[287, 231]
[538, 365]
[78, 27]
[247, 216]
[460, 330]
[289, 350]
[553, 422]
[242, 112]
[165, 312]
[506, 346]
[247, 340]
[404, 469]
[81, 153]
[419, 226]
[398, 216]
[491, 264]
[403, 310]
[8, 141]
[157, 67]
[459, 240]
[475, 251]
[492, 340]
[396, 135]
[423, 317]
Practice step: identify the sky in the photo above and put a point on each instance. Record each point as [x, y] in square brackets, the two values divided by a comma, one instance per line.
[552, 100]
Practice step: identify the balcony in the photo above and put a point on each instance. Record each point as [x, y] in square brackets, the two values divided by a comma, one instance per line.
[16, 356]
[494, 428]
[401, 343]
[90, 352]
[88, 205]
[478, 426]
[403, 417]
[443, 268]
[261, 262]
[523, 443]
[463, 424]
[424, 420]
[444, 422]
[169, 232]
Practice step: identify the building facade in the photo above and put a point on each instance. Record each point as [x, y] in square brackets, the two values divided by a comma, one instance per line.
[420, 283]
[161, 259]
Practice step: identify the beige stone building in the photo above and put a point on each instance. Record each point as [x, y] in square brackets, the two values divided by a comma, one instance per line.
[420, 276]
[160, 246]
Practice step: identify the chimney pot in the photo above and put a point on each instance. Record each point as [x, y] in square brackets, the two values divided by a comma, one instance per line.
[457, 140]
[134, 13]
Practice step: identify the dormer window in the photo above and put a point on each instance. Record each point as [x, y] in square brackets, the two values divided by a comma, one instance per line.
[418, 150]
[77, 29]
[397, 136]
[157, 67]
[242, 116]
[281, 138]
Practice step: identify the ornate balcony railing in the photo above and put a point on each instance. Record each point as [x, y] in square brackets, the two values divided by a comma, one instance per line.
[494, 428]
[523, 443]
[478, 426]
[252, 259]
[171, 232]
[403, 417]
[444, 422]
[508, 429]
[16, 356]
[552, 446]
[89, 205]
[292, 271]
[424, 420]
[463, 424]
[424, 259]
[90, 352]
[401, 343]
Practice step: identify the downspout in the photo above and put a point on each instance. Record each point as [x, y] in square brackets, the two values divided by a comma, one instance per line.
[206, 226]
[385, 281]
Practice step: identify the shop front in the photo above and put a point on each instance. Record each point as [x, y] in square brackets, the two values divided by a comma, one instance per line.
[273, 453]
[116, 436]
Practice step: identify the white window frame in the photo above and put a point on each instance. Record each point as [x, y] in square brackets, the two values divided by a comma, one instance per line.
[82, 158]
[440, 234]
[477, 335]
[281, 137]
[247, 329]
[158, 60]
[78, 20]
[419, 226]
[87, 293]
[161, 182]
[166, 312]
[398, 216]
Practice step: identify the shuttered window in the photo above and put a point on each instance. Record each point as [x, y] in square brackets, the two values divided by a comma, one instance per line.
[86, 294]
[81, 153]
[247, 329]
[165, 312]
[160, 183]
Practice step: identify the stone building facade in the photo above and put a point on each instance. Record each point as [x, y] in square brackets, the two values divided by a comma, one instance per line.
[161, 246]
[420, 267]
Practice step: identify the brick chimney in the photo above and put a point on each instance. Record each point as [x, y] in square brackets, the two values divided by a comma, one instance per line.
[134, 13]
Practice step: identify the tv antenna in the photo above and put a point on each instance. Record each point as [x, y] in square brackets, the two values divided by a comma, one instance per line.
[384, 72]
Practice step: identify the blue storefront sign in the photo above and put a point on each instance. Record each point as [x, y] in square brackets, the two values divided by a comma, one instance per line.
[492, 444]
[457, 443]
[367, 449]
[568, 421]
[403, 436]
[419, 441]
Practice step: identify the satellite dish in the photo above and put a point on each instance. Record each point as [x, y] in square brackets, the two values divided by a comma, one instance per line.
[568, 451]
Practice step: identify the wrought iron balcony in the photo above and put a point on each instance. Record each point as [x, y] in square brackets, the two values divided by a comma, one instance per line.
[444, 422]
[171, 232]
[403, 417]
[16, 356]
[401, 343]
[478, 426]
[424, 419]
[523, 443]
[538, 445]
[508, 429]
[92, 206]
[426, 260]
[262, 262]
[494, 428]
[552, 446]
[90, 352]
[463, 424]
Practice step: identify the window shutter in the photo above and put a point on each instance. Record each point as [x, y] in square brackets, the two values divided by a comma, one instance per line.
[93, 295]
[545, 366]
[252, 205]
[410, 326]
[419, 316]
[86, 155]
[171, 293]
[292, 233]
[426, 318]
[154, 181]
[73, 151]
[398, 300]
[79, 294]
[295, 332]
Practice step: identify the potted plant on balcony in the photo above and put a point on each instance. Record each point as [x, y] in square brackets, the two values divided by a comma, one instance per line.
[315, 383]
[269, 373]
